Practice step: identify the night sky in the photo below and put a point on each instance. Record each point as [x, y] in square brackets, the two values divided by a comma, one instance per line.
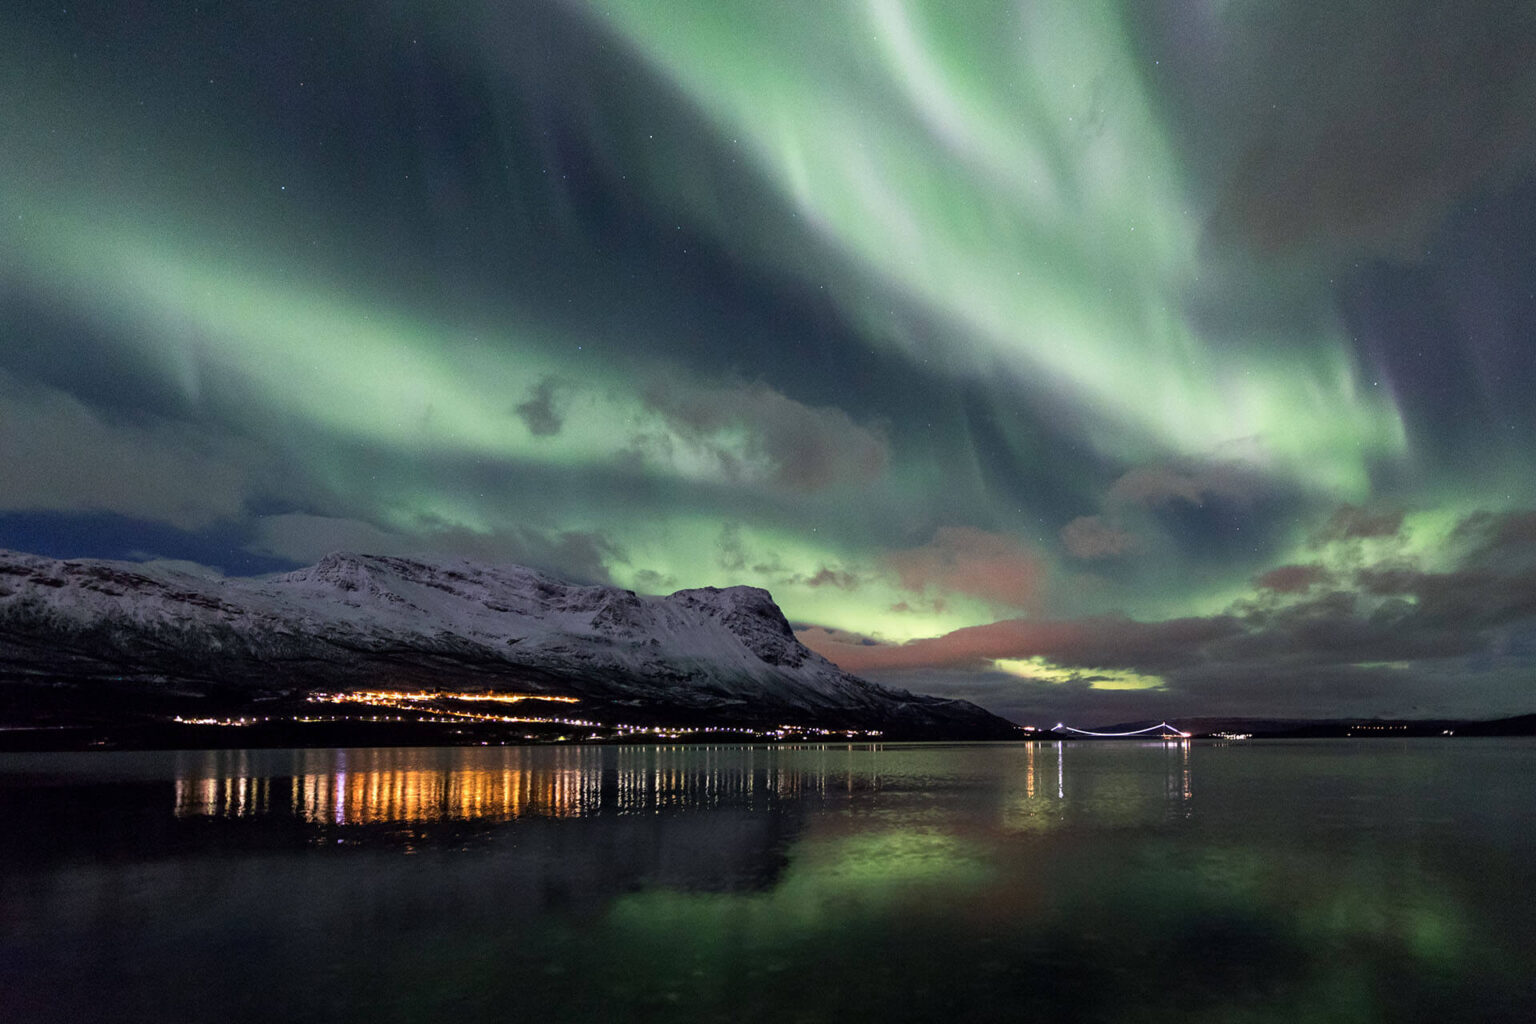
[1085, 359]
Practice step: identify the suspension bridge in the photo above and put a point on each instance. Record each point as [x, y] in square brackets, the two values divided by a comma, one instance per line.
[1166, 730]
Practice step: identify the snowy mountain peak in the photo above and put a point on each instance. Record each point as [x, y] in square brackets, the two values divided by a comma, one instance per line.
[751, 615]
[347, 574]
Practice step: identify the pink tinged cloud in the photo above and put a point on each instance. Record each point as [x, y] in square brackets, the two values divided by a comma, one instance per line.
[1157, 485]
[1093, 537]
[1293, 579]
[965, 560]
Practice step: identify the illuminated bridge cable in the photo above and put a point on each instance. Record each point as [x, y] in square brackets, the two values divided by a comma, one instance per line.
[1161, 728]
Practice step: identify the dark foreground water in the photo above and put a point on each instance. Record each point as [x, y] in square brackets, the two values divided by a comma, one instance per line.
[1324, 880]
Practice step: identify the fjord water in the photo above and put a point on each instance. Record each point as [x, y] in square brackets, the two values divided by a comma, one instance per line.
[1311, 880]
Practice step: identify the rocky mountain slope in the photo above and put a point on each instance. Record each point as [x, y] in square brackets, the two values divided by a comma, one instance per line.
[717, 656]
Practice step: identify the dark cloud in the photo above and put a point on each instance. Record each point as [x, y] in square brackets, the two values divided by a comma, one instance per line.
[1450, 336]
[1340, 629]
[582, 555]
[841, 579]
[730, 552]
[1497, 538]
[1387, 635]
[542, 413]
[578, 555]
[1350, 522]
[1155, 485]
[649, 581]
[934, 606]
[1362, 124]
[813, 636]
[1090, 643]
[60, 455]
[1384, 582]
[805, 448]
[1466, 599]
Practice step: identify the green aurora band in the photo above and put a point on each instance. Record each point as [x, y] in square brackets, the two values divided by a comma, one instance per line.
[998, 215]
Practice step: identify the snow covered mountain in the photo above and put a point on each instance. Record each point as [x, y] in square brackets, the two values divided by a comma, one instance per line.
[721, 656]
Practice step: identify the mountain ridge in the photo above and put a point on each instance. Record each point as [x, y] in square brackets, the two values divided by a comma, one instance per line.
[706, 654]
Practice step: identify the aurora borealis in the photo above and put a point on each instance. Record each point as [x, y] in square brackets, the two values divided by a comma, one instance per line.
[1090, 358]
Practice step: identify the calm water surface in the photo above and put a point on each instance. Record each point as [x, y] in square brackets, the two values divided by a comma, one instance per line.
[1320, 880]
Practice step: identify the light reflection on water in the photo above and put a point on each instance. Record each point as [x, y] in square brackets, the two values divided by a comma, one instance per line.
[417, 786]
[1366, 880]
